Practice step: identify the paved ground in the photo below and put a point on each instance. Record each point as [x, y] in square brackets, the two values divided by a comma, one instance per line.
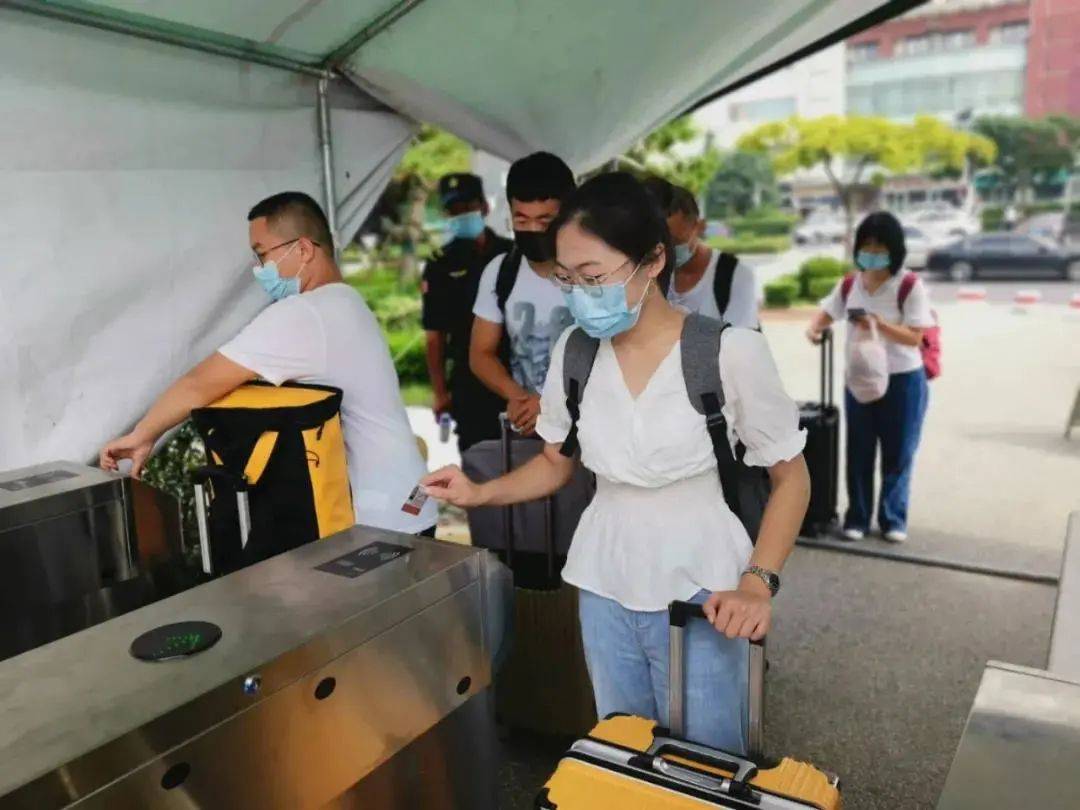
[872, 669]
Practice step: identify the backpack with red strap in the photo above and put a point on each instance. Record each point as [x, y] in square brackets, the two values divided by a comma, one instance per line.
[931, 339]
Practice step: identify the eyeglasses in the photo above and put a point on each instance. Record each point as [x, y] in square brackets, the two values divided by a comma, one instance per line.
[261, 257]
[592, 285]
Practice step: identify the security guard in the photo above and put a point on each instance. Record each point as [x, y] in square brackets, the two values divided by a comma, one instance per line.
[449, 289]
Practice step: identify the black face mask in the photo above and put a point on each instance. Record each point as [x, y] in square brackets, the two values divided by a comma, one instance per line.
[536, 246]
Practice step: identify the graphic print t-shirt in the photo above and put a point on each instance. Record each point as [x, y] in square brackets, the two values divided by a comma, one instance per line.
[536, 315]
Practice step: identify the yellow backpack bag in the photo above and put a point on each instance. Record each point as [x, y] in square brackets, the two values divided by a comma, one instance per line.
[276, 475]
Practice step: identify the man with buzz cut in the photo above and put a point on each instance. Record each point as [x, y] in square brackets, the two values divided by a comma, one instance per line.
[316, 330]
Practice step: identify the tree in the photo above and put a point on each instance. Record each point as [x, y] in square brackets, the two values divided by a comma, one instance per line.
[1029, 151]
[672, 151]
[744, 181]
[846, 147]
[434, 152]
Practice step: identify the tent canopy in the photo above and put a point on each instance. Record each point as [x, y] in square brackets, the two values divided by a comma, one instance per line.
[137, 133]
[581, 78]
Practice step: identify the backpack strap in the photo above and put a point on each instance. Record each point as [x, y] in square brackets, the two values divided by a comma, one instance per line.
[725, 275]
[579, 354]
[504, 281]
[907, 284]
[700, 348]
[846, 285]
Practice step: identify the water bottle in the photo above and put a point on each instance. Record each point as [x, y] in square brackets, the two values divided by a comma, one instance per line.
[444, 427]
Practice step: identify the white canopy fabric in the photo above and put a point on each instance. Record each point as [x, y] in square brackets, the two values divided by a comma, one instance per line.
[128, 164]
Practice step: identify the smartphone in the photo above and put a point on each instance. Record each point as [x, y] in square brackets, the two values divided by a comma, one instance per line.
[856, 313]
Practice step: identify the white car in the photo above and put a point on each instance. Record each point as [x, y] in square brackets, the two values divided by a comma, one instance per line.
[821, 225]
[942, 221]
[918, 245]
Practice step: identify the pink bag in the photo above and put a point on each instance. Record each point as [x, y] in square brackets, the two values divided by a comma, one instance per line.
[931, 341]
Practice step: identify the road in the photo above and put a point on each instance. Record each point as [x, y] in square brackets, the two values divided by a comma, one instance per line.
[998, 290]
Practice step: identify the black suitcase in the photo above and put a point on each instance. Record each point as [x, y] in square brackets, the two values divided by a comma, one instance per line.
[822, 423]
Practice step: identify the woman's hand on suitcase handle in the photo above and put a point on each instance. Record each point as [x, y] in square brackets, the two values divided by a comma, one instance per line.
[451, 485]
[742, 613]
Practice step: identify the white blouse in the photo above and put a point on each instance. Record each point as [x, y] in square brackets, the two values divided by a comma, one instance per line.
[659, 528]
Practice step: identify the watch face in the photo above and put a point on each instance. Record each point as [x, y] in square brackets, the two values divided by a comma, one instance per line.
[774, 582]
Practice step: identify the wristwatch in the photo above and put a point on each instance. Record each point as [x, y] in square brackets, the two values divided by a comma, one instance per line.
[770, 578]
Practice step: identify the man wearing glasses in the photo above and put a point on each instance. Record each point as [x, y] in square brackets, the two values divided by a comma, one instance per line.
[518, 300]
[318, 330]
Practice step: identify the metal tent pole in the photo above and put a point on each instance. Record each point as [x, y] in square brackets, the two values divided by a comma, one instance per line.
[329, 195]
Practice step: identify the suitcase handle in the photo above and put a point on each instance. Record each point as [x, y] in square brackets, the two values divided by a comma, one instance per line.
[506, 437]
[827, 368]
[678, 614]
[743, 770]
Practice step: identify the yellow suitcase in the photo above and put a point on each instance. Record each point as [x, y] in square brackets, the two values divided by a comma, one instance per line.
[628, 763]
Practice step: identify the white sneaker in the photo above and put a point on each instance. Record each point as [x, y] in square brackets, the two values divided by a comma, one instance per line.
[895, 536]
[854, 534]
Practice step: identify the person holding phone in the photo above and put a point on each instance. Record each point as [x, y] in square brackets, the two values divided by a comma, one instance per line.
[658, 529]
[900, 310]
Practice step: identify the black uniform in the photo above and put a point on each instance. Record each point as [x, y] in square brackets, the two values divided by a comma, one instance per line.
[451, 280]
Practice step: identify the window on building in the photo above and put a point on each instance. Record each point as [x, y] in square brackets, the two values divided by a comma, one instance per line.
[1014, 33]
[993, 91]
[914, 46]
[956, 40]
[862, 52]
[769, 109]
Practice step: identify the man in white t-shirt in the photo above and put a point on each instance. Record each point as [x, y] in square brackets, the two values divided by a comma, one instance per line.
[519, 311]
[319, 330]
[705, 281]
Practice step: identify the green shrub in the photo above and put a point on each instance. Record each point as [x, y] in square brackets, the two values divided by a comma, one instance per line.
[398, 311]
[409, 351]
[740, 245]
[762, 224]
[819, 267]
[1046, 207]
[993, 218]
[782, 292]
[818, 288]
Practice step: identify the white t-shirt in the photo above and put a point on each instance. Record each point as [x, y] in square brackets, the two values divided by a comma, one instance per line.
[329, 337]
[658, 528]
[742, 307]
[536, 315]
[885, 303]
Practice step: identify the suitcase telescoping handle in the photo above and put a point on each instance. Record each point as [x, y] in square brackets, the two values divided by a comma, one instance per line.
[679, 613]
[826, 368]
[201, 477]
[506, 437]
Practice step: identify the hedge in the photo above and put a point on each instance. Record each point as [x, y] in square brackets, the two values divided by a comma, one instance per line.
[409, 351]
[818, 267]
[742, 245]
[818, 288]
[761, 226]
[782, 292]
[993, 216]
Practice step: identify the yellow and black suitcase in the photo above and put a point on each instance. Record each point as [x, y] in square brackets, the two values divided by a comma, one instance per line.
[629, 763]
[276, 475]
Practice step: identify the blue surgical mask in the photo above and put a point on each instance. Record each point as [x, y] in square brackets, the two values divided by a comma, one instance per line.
[603, 312]
[276, 287]
[683, 254]
[865, 260]
[466, 226]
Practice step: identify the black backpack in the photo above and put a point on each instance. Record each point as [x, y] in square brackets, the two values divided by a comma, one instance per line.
[746, 489]
[504, 281]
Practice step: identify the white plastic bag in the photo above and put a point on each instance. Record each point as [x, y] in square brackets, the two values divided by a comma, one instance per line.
[867, 363]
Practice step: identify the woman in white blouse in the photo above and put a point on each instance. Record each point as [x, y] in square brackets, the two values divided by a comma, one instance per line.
[658, 529]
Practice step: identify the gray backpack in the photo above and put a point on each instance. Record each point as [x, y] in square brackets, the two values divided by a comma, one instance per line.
[746, 489]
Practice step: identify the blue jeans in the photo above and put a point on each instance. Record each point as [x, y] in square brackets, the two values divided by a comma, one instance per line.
[627, 655]
[895, 421]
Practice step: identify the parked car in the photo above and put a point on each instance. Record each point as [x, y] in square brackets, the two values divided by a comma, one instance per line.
[1005, 254]
[918, 246]
[821, 225]
[941, 220]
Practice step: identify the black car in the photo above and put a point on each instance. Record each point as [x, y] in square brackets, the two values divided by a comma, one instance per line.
[988, 254]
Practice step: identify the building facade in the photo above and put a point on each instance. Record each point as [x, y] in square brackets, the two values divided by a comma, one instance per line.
[1053, 73]
[955, 59]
